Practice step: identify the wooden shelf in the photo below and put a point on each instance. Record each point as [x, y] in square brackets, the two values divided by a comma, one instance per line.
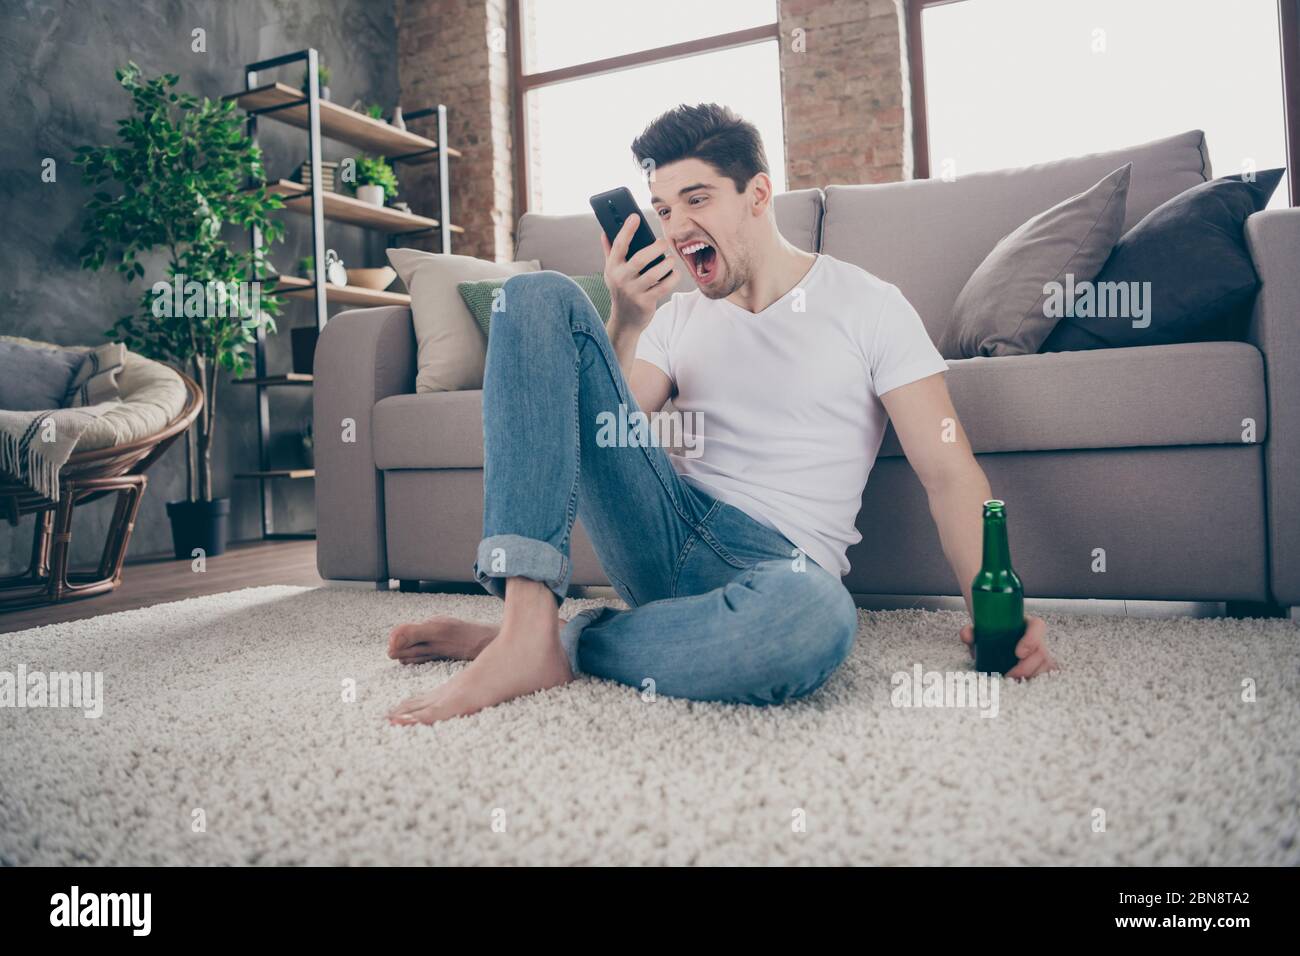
[296, 287]
[292, 378]
[347, 209]
[279, 473]
[341, 123]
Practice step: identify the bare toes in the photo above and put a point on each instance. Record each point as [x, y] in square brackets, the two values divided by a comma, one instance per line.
[399, 638]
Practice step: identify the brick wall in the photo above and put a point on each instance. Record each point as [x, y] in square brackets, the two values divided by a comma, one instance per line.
[844, 90]
[455, 52]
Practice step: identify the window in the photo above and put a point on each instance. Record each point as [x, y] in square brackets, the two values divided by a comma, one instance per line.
[594, 77]
[1013, 82]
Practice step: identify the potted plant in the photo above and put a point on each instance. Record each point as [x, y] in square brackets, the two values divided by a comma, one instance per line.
[376, 180]
[178, 177]
[322, 81]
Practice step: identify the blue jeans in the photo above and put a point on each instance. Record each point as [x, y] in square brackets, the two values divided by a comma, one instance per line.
[722, 607]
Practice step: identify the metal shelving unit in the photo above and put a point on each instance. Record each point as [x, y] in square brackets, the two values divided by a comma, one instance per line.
[284, 103]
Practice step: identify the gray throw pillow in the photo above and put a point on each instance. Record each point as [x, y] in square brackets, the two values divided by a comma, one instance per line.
[34, 379]
[1006, 307]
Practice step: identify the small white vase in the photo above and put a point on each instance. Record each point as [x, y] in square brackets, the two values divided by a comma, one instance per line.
[371, 194]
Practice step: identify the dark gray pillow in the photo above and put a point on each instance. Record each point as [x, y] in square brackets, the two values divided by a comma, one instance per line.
[34, 379]
[1185, 265]
[1003, 308]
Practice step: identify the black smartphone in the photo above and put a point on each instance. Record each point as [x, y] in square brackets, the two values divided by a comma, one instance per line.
[612, 210]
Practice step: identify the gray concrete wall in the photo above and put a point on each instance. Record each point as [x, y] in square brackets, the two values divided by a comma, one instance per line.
[56, 82]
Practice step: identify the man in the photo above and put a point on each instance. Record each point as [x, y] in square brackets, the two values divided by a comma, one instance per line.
[730, 561]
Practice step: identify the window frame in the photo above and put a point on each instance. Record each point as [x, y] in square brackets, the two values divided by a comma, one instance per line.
[1288, 21]
[524, 83]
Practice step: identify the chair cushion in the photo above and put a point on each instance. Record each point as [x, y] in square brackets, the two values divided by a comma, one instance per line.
[927, 236]
[152, 395]
[1188, 394]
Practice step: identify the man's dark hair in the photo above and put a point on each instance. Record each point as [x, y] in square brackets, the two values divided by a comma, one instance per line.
[708, 132]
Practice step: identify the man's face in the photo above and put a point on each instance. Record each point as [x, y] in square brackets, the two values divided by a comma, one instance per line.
[708, 224]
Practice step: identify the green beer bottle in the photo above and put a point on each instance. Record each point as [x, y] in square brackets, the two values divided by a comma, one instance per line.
[997, 598]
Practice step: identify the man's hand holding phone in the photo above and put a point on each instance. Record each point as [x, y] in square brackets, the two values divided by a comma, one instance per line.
[633, 295]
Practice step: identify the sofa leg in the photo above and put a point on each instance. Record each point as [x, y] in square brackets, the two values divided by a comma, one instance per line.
[1254, 609]
[408, 587]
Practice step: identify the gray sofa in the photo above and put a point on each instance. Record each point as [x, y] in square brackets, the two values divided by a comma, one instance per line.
[1135, 451]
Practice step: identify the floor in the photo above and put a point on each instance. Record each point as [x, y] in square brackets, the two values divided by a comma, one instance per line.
[160, 580]
[258, 563]
[248, 728]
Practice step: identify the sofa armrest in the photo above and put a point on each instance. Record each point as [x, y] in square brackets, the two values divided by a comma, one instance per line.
[1273, 237]
[363, 355]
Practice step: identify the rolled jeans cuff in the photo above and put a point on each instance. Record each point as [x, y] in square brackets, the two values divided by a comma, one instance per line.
[504, 556]
[570, 633]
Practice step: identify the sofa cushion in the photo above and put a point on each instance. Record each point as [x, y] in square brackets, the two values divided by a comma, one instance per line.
[571, 244]
[429, 430]
[927, 236]
[1189, 394]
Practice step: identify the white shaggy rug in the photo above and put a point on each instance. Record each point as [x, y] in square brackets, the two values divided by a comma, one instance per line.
[226, 738]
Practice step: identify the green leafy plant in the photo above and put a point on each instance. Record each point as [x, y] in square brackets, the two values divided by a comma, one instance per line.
[376, 171]
[322, 77]
[307, 265]
[375, 111]
[178, 177]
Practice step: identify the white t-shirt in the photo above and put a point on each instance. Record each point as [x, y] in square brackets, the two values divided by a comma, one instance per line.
[789, 419]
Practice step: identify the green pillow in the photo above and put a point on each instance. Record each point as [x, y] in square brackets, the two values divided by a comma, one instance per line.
[479, 296]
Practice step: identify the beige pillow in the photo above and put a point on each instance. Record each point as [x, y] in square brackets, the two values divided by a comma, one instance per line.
[452, 349]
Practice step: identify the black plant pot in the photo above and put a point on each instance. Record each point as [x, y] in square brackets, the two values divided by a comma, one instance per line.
[199, 524]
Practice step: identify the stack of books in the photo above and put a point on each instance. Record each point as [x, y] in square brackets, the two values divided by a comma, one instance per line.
[327, 171]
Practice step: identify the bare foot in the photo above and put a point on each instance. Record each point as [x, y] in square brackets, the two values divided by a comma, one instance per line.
[439, 639]
[526, 656]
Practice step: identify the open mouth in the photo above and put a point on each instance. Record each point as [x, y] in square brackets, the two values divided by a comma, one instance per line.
[702, 259]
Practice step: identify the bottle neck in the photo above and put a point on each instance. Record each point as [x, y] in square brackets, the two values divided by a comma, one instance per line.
[997, 554]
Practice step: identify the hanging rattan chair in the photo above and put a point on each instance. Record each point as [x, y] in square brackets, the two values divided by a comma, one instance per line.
[86, 476]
